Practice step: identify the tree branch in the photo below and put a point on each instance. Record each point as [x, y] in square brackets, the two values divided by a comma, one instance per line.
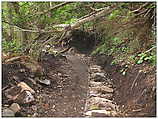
[31, 30]
[53, 8]
[106, 11]
[92, 16]
[141, 7]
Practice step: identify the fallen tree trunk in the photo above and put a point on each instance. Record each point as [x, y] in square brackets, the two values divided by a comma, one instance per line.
[86, 18]
[106, 11]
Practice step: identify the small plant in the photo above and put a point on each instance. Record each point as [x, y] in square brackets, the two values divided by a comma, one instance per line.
[150, 57]
[11, 46]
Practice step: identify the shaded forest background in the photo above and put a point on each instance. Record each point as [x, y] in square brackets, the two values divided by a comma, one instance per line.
[126, 30]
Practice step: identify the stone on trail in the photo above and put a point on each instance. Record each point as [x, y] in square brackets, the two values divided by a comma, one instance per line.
[107, 96]
[100, 113]
[15, 107]
[13, 92]
[21, 93]
[95, 68]
[94, 84]
[93, 93]
[24, 86]
[96, 75]
[103, 103]
[8, 113]
[25, 97]
[102, 89]
[45, 82]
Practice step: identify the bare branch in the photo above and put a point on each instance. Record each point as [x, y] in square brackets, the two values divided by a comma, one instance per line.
[141, 7]
[31, 30]
[64, 27]
[135, 79]
[53, 8]
[106, 11]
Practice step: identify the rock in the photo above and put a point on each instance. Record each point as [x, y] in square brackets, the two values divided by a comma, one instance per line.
[99, 100]
[98, 77]
[101, 113]
[8, 113]
[94, 84]
[93, 93]
[45, 81]
[59, 74]
[16, 78]
[15, 107]
[25, 97]
[22, 70]
[107, 96]
[6, 105]
[110, 86]
[24, 86]
[35, 114]
[105, 89]
[95, 75]
[13, 92]
[19, 92]
[102, 89]
[95, 68]
[103, 103]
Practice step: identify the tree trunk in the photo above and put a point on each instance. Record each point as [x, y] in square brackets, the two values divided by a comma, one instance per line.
[22, 25]
[10, 19]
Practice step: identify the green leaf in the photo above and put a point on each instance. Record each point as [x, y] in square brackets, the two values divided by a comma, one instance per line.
[140, 61]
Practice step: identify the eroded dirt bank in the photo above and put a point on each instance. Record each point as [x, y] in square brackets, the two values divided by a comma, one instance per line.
[135, 92]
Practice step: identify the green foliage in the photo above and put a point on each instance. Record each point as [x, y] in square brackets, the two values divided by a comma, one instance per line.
[114, 14]
[12, 46]
[116, 40]
[66, 14]
[150, 57]
[113, 27]
[100, 50]
[106, 48]
[73, 20]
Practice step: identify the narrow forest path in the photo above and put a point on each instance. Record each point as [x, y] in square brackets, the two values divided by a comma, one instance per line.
[74, 95]
[70, 96]
[78, 59]
[78, 88]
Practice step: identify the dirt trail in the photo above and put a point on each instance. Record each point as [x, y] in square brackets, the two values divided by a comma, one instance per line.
[76, 93]
[79, 89]
[70, 97]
